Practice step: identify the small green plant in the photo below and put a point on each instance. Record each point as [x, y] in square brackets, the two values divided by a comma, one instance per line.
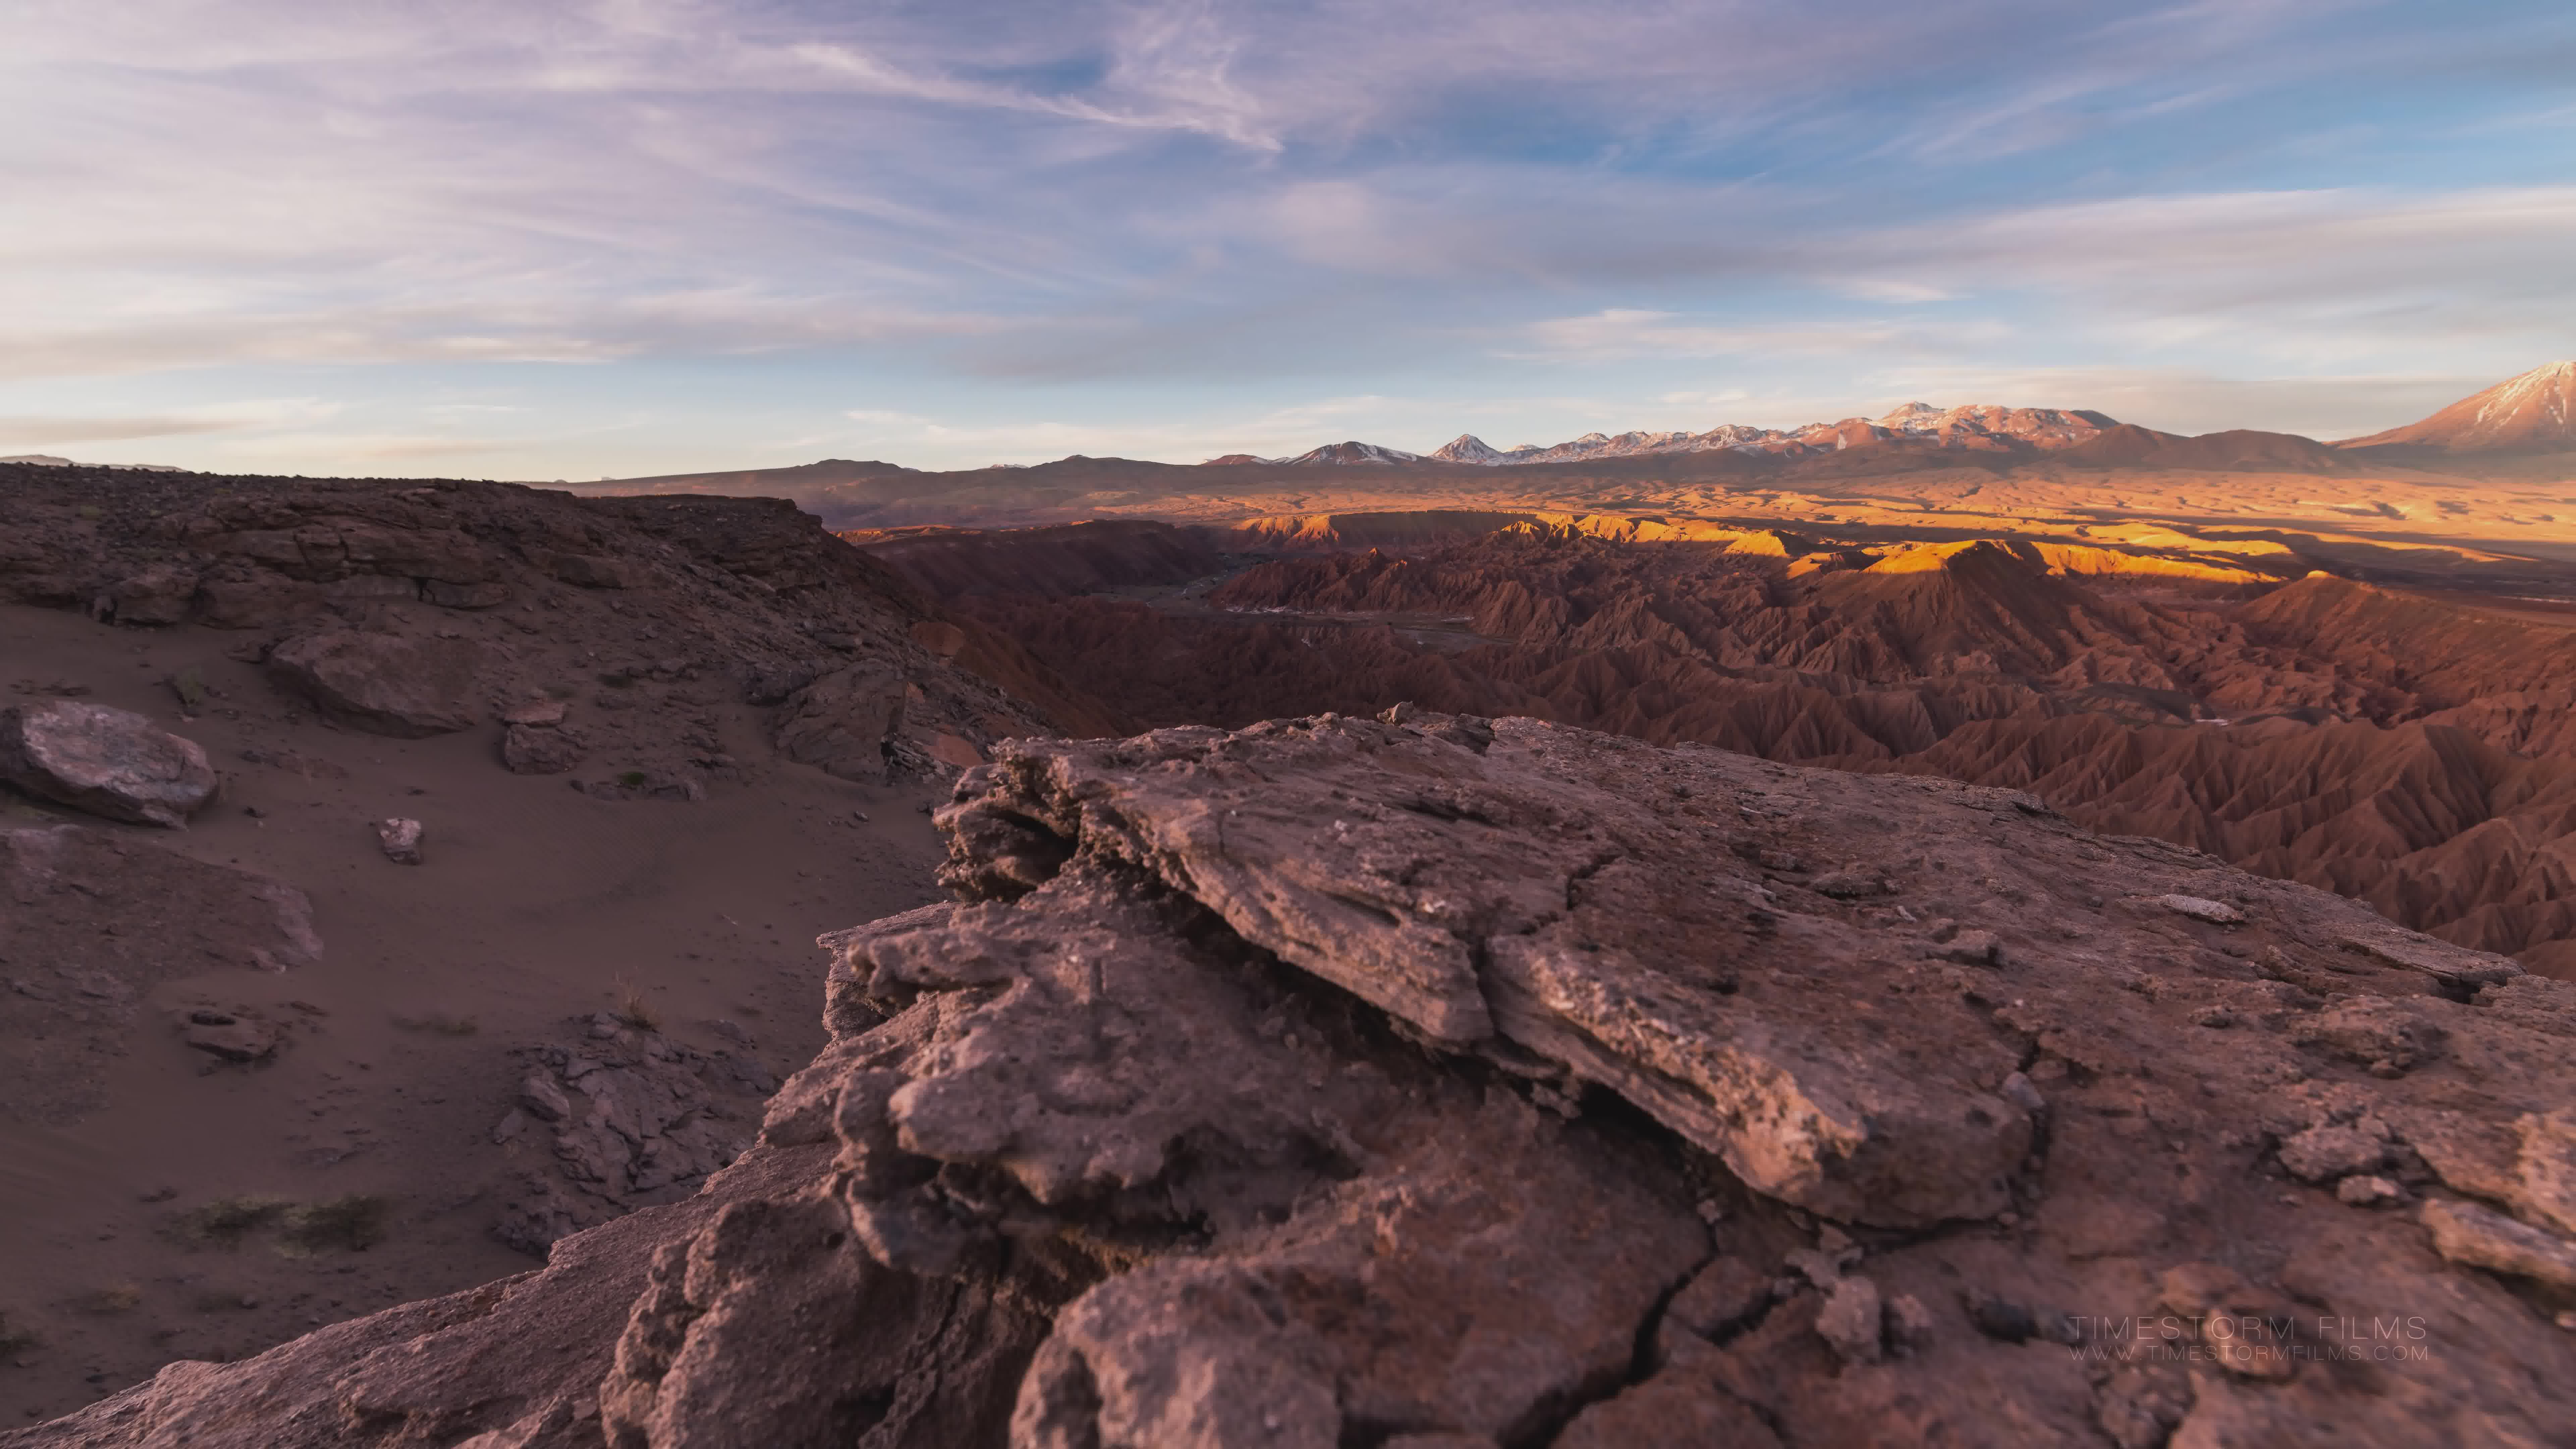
[618, 679]
[15, 1341]
[349, 1224]
[633, 779]
[227, 1220]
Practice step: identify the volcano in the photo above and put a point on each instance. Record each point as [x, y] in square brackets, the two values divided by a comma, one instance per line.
[2532, 413]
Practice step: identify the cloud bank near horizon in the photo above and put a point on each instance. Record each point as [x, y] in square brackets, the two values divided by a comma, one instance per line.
[645, 236]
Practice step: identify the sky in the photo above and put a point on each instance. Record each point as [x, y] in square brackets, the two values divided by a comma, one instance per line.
[535, 240]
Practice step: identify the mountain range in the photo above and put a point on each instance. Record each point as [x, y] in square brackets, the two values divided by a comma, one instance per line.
[2533, 412]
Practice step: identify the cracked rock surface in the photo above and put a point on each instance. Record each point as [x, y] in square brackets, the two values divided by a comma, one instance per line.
[1493, 1083]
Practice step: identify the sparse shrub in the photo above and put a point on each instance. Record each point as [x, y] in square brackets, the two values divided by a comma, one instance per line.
[635, 1011]
[227, 1220]
[439, 1023]
[114, 1298]
[352, 1224]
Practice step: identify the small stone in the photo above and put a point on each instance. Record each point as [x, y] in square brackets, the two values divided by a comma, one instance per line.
[1909, 1322]
[2001, 1318]
[2332, 1151]
[2364, 1190]
[2215, 1017]
[1852, 1320]
[1973, 948]
[400, 839]
[543, 1099]
[1817, 1268]
[2018, 1090]
[2216, 913]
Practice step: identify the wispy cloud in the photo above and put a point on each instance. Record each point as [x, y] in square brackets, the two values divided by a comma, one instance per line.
[1620, 333]
[1152, 201]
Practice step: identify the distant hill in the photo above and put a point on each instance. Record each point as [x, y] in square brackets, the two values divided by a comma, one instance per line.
[2247, 449]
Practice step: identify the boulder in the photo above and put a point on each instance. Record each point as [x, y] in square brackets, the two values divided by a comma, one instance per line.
[104, 761]
[159, 594]
[385, 684]
[843, 722]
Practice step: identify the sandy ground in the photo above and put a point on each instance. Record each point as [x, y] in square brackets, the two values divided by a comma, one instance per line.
[537, 906]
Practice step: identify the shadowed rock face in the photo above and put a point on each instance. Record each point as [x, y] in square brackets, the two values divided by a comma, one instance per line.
[1435, 1080]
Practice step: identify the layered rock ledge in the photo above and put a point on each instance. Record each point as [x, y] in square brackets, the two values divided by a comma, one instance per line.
[1433, 1081]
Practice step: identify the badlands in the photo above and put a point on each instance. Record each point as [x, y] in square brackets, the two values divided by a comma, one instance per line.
[1985, 926]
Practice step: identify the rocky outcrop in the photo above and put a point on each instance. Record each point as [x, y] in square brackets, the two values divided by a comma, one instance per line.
[417, 608]
[1445, 1081]
[104, 761]
[91, 923]
[383, 683]
[848, 723]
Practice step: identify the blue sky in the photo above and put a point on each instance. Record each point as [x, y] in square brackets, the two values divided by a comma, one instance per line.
[533, 240]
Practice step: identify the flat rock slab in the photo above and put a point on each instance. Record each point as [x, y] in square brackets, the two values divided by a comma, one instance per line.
[386, 684]
[104, 761]
[1522, 898]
